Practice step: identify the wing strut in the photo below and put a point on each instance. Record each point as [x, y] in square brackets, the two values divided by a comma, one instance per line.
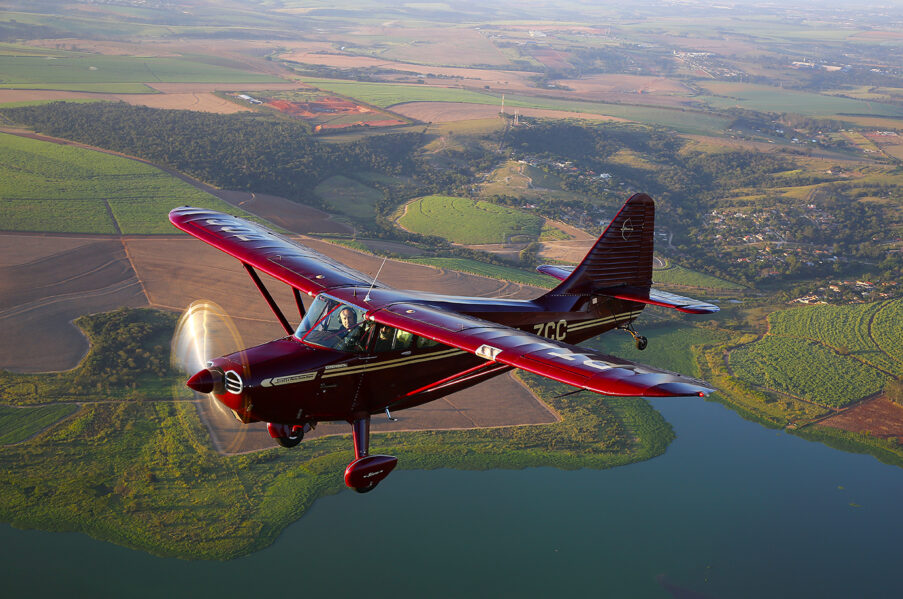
[269, 298]
[298, 301]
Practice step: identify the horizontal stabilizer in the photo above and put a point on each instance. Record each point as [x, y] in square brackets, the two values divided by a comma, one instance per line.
[559, 272]
[661, 298]
[642, 295]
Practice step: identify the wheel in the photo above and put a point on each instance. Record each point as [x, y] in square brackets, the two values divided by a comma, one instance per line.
[366, 489]
[290, 441]
[641, 343]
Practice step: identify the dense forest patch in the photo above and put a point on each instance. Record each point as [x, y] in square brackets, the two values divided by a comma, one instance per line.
[238, 151]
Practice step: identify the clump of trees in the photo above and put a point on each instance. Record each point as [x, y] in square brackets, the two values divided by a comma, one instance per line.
[893, 390]
[239, 151]
[126, 345]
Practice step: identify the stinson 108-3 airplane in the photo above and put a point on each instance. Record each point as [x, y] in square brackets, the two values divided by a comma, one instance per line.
[363, 348]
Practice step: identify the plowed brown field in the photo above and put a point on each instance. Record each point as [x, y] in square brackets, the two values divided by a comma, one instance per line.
[200, 101]
[45, 283]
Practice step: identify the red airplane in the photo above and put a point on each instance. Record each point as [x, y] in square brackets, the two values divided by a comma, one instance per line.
[363, 348]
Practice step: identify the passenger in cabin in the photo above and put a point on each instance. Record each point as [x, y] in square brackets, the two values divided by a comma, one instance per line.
[383, 339]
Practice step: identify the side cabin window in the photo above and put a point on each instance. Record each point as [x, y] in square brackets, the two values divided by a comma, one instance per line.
[334, 325]
[388, 339]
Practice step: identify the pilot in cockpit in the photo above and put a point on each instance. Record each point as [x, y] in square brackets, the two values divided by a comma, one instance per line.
[348, 319]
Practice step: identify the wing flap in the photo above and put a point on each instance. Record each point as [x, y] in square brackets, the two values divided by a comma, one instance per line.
[570, 364]
[253, 244]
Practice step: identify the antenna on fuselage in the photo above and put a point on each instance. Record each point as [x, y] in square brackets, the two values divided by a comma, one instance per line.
[367, 298]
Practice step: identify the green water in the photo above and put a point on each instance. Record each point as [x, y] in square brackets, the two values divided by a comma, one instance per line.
[732, 510]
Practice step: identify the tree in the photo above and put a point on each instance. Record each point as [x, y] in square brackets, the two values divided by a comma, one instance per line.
[893, 390]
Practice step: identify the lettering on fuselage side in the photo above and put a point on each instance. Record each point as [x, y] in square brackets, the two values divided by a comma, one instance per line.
[302, 377]
[552, 330]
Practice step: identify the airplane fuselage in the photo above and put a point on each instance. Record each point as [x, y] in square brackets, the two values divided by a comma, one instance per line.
[293, 382]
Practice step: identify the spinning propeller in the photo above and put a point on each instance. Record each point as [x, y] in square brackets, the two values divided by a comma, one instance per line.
[205, 331]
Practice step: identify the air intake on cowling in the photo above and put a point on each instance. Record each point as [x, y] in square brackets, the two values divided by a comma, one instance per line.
[233, 382]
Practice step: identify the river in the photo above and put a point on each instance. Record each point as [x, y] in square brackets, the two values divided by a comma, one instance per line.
[732, 510]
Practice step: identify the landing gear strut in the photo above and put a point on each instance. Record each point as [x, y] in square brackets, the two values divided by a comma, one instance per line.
[365, 472]
[640, 341]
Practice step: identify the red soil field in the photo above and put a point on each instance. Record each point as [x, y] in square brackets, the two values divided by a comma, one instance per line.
[880, 417]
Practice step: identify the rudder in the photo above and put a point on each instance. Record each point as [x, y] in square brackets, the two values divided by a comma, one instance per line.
[622, 256]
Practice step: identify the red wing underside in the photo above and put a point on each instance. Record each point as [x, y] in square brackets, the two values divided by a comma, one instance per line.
[290, 262]
[568, 364]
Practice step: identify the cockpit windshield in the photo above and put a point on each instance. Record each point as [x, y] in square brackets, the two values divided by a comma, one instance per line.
[333, 324]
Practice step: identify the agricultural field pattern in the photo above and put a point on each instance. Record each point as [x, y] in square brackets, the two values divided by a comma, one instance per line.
[448, 148]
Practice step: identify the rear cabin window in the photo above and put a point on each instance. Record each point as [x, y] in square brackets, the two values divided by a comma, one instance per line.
[388, 339]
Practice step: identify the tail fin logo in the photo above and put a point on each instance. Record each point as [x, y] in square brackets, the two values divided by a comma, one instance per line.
[626, 230]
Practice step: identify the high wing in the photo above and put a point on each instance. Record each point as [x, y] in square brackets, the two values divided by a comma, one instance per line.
[290, 262]
[562, 362]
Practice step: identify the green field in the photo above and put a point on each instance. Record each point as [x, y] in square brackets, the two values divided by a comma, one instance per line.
[678, 275]
[348, 196]
[18, 424]
[493, 271]
[65, 189]
[42, 102]
[826, 354]
[388, 94]
[92, 69]
[773, 99]
[96, 88]
[682, 121]
[872, 333]
[805, 369]
[462, 220]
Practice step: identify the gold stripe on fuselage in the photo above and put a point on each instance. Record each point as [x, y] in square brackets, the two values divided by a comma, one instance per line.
[336, 370]
[600, 321]
[393, 363]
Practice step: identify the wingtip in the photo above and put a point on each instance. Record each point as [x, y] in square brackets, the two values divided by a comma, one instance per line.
[678, 389]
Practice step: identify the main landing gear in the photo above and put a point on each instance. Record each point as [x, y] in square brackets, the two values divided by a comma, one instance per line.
[288, 435]
[365, 472]
[640, 341]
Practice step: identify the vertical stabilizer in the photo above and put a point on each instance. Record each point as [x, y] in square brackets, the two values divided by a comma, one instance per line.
[621, 257]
